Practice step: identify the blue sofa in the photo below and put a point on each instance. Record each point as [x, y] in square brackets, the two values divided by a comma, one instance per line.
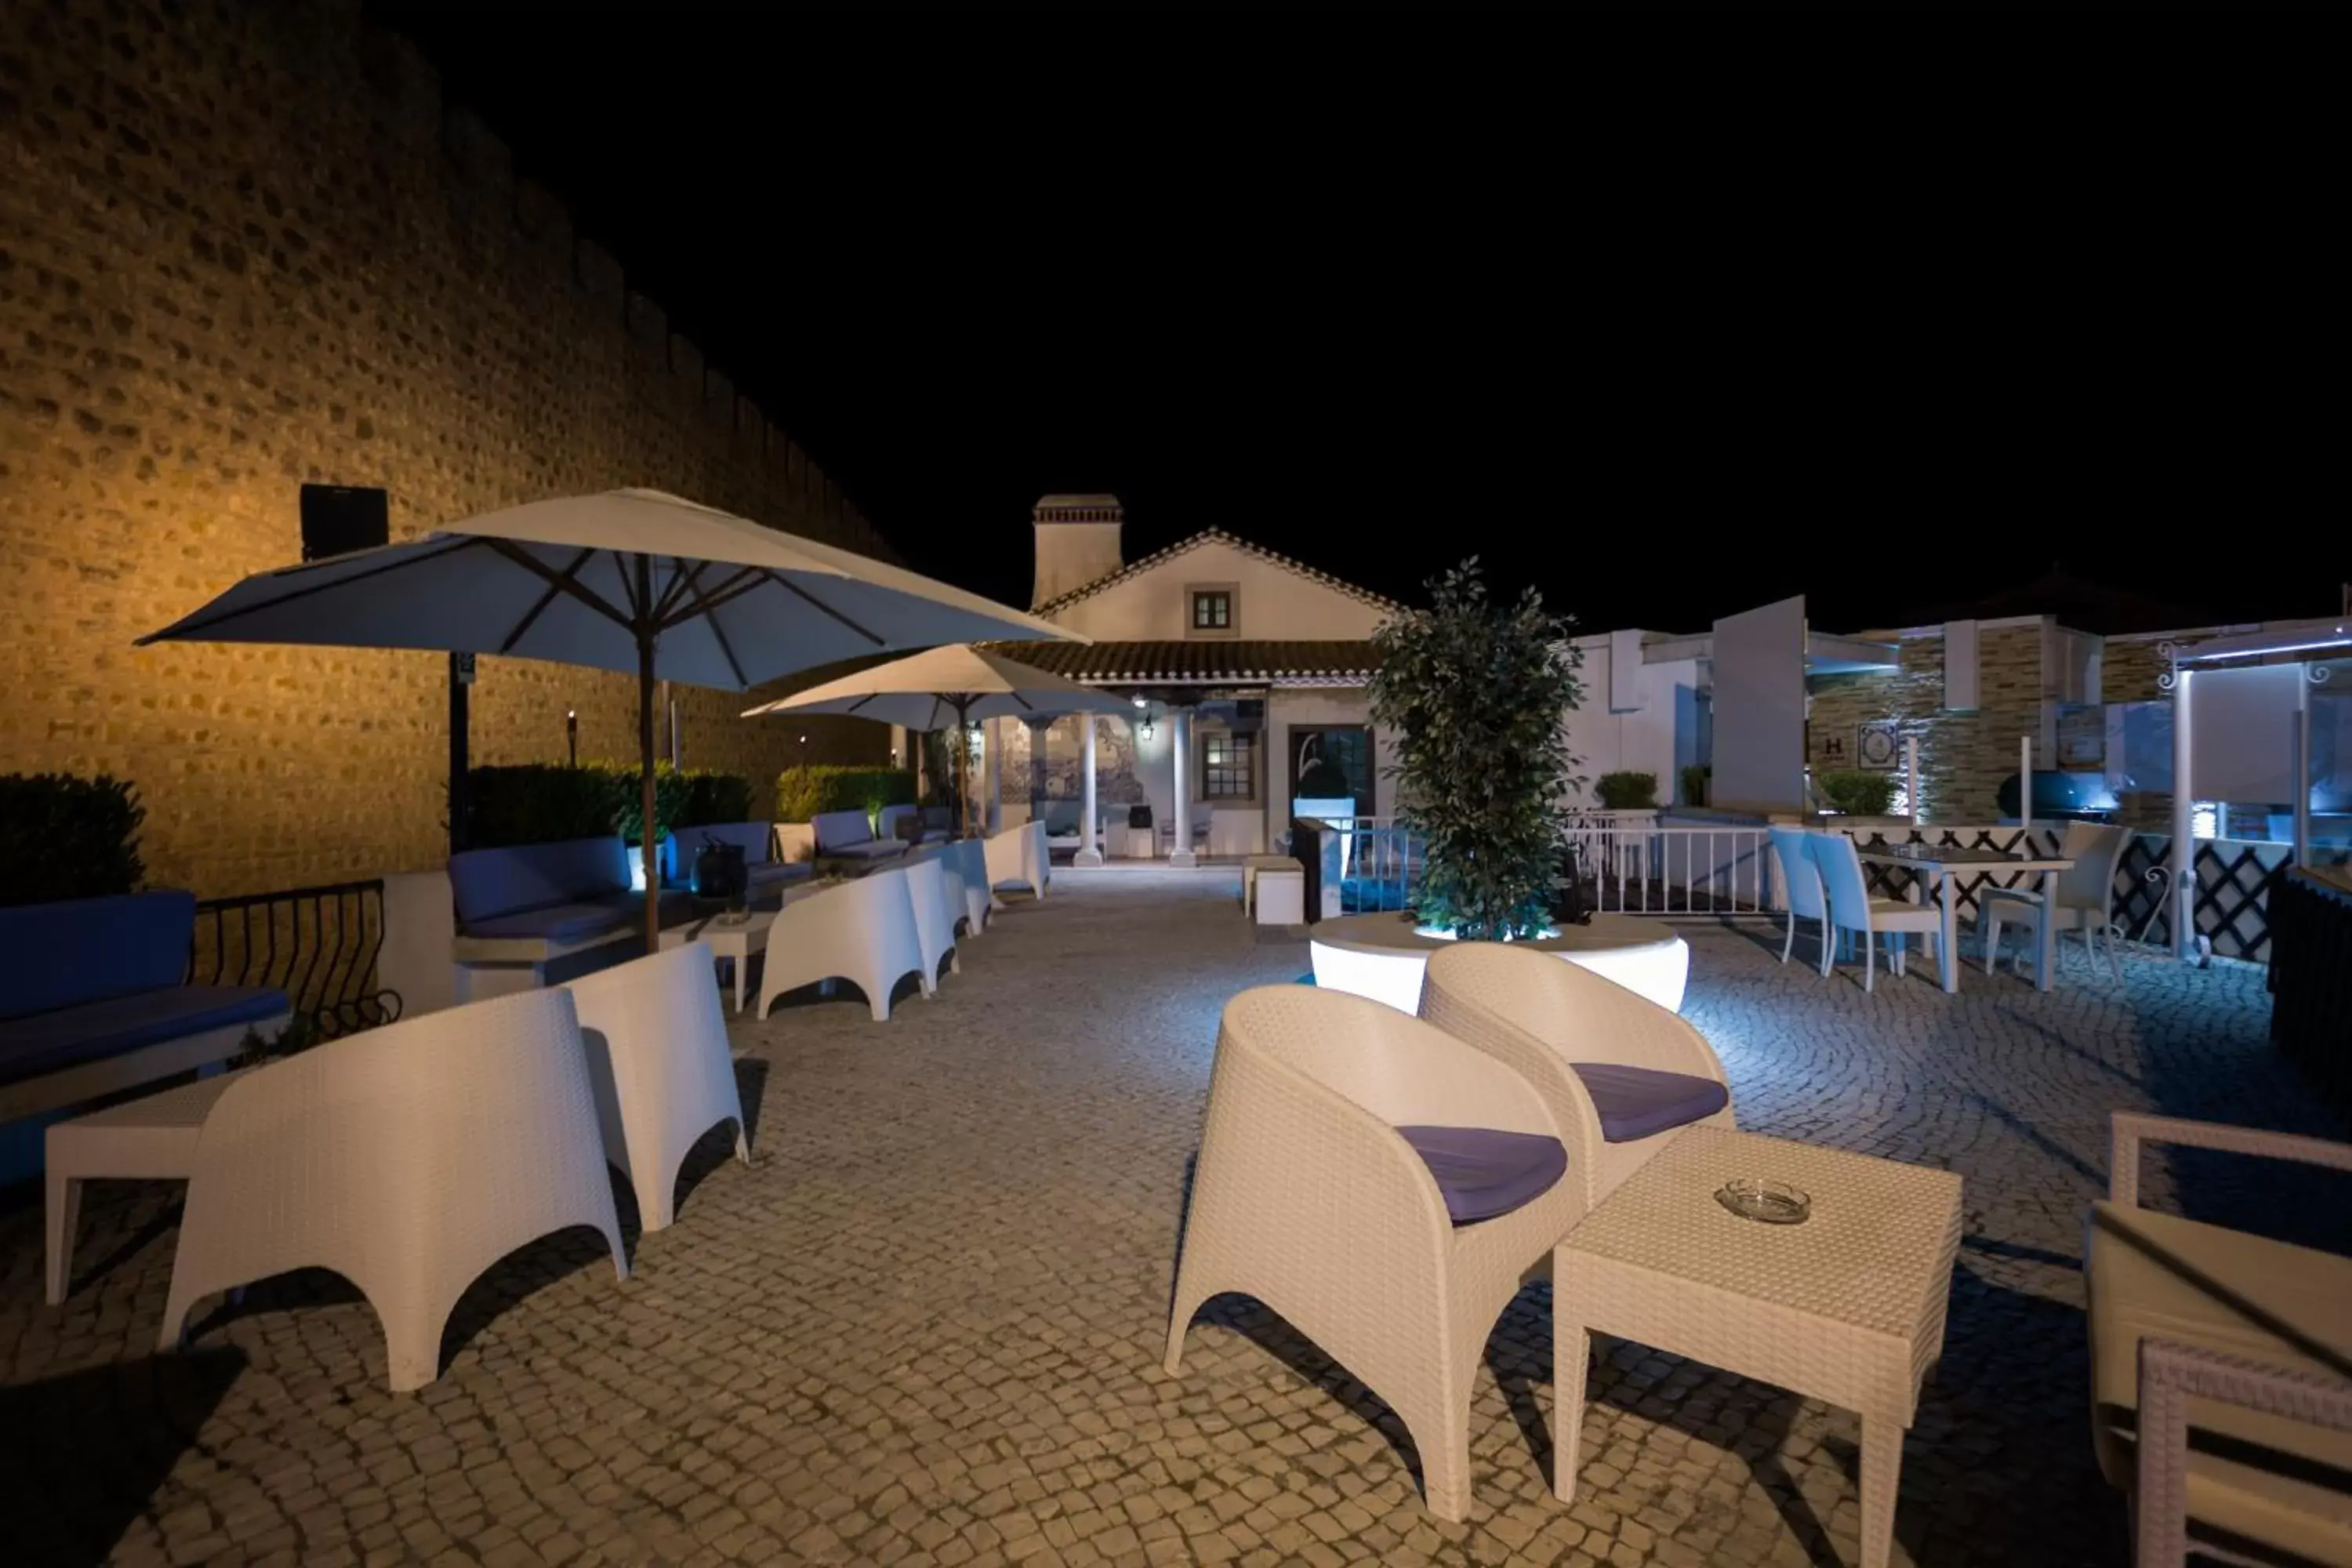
[846, 842]
[915, 825]
[767, 874]
[92, 1001]
[527, 904]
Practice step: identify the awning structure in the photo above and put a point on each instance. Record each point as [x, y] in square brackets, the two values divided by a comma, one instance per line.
[2242, 731]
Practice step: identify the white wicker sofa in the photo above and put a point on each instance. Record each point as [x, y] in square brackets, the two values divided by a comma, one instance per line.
[2220, 1365]
[1384, 1187]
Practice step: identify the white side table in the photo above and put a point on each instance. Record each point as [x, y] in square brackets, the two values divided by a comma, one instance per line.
[1142, 843]
[153, 1139]
[1847, 1308]
[733, 940]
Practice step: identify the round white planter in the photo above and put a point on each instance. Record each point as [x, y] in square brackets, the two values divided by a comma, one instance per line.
[1382, 956]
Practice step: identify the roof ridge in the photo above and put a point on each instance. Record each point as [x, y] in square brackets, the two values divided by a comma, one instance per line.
[1220, 536]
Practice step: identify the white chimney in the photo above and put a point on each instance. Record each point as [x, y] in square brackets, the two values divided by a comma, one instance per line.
[1077, 542]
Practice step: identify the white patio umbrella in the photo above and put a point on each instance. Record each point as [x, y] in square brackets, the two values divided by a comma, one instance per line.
[629, 579]
[945, 687]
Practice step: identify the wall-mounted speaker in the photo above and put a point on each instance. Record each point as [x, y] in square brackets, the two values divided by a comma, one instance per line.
[337, 519]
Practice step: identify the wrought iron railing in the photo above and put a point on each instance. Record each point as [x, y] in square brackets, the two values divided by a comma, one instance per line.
[318, 945]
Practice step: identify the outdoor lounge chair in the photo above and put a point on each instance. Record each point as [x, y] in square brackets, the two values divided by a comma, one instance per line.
[1852, 909]
[862, 931]
[407, 1159]
[1013, 857]
[765, 876]
[2220, 1365]
[913, 826]
[658, 1063]
[1381, 1185]
[1801, 883]
[1621, 1074]
[2086, 896]
[935, 917]
[971, 860]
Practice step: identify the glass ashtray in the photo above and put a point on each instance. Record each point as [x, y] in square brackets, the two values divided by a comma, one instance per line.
[1768, 1203]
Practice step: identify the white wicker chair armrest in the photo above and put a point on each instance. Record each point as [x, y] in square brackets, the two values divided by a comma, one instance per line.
[2170, 1375]
[2130, 1129]
[1406, 1072]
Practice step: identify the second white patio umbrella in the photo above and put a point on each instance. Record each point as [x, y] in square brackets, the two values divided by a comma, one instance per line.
[945, 687]
[628, 580]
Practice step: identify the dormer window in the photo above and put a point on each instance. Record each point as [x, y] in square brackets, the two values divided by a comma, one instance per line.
[1213, 611]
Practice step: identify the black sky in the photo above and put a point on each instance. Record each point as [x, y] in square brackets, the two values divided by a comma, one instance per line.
[1666, 331]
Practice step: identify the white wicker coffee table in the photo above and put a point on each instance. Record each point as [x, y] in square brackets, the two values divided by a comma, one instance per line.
[1847, 1307]
[151, 1139]
[730, 938]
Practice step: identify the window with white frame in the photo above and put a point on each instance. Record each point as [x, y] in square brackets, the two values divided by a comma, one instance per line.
[1227, 771]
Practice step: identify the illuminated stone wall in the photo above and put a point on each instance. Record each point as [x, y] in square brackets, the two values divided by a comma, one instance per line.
[1963, 757]
[245, 247]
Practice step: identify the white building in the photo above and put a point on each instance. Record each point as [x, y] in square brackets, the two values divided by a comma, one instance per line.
[1245, 669]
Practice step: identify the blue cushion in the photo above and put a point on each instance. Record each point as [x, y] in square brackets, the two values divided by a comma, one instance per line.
[490, 882]
[1637, 1102]
[85, 950]
[557, 922]
[769, 871]
[838, 830]
[1483, 1174]
[30, 1046]
[872, 849]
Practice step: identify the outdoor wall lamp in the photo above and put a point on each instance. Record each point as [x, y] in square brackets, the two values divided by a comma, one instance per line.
[1146, 731]
[571, 733]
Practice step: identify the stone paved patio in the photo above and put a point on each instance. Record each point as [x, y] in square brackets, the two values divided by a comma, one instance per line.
[924, 1327]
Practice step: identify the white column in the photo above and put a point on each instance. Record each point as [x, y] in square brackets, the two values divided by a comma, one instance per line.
[2183, 857]
[1180, 750]
[1089, 852]
[992, 773]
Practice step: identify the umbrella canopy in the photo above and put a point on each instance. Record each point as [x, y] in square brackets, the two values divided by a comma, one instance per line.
[944, 688]
[629, 579]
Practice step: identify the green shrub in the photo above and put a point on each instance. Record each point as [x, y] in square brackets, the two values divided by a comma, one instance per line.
[1855, 792]
[1627, 790]
[712, 796]
[66, 838]
[803, 791]
[1474, 692]
[537, 803]
[1697, 777]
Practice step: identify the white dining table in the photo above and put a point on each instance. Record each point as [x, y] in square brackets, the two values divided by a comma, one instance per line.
[1936, 865]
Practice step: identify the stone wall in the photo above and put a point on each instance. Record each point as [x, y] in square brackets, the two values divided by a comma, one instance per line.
[247, 246]
[1963, 757]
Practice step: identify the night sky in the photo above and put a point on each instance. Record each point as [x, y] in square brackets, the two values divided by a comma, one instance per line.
[1663, 353]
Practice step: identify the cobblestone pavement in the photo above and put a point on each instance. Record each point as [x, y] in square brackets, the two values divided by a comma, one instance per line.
[924, 1326]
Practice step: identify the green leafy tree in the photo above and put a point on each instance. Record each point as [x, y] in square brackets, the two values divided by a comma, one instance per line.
[1474, 694]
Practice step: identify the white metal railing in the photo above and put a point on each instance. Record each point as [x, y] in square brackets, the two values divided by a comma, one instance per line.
[1679, 870]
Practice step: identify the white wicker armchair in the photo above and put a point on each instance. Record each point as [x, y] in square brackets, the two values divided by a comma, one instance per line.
[658, 1063]
[935, 917]
[2245, 1340]
[863, 931]
[1307, 1196]
[971, 855]
[407, 1159]
[1013, 855]
[1545, 1019]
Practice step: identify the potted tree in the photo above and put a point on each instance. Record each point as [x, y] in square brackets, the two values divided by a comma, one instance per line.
[1474, 694]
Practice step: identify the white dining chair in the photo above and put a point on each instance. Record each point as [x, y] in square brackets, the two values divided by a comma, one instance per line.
[1852, 909]
[1800, 881]
[2087, 893]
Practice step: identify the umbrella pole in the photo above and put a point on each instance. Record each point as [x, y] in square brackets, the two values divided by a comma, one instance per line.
[645, 825]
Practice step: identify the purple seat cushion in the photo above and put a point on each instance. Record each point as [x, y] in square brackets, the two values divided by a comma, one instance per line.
[557, 922]
[1638, 1102]
[47, 1041]
[1483, 1174]
[762, 872]
[87, 950]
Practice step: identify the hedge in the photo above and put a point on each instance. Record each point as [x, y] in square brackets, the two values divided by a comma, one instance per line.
[546, 803]
[1627, 790]
[66, 838]
[803, 791]
[1855, 792]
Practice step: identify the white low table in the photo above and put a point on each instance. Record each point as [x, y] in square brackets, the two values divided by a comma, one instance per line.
[1846, 1308]
[733, 941]
[1142, 843]
[153, 1139]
